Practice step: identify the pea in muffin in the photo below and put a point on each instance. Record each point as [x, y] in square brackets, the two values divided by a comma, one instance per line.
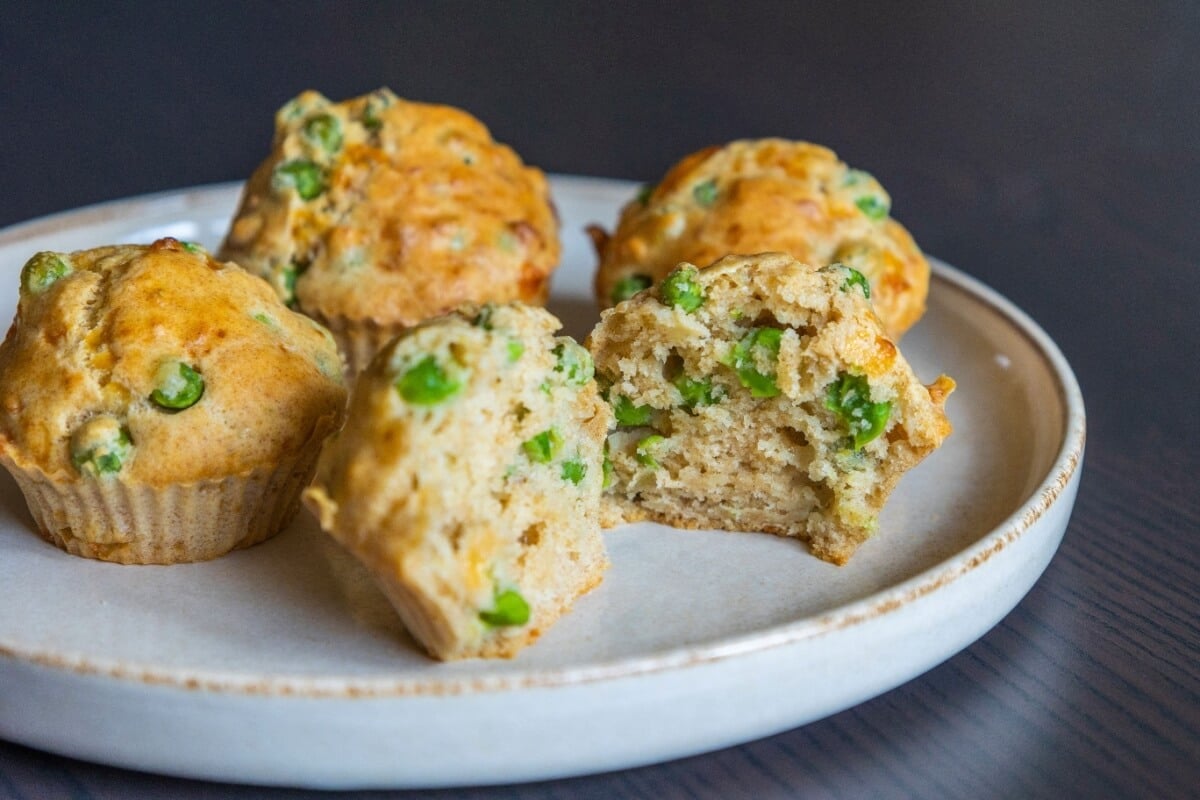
[468, 478]
[755, 196]
[375, 213]
[761, 394]
[157, 406]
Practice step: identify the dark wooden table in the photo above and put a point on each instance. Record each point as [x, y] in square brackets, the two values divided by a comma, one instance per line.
[1050, 149]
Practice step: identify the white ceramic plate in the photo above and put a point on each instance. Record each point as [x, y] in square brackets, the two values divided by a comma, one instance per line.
[283, 665]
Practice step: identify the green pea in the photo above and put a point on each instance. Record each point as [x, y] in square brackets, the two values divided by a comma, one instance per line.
[574, 471]
[427, 383]
[628, 415]
[508, 608]
[288, 276]
[574, 362]
[742, 360]
[178, 386]
[100, 447]
[644, 193]
[856, 278]
[542, 449]
[706, 192]
[851, 277]
[42, 271]
[850, 398]
[644, 451]
[515, 350]
[371, 118]
[681, 289]
[302, 175]
[630, 285]
[325, 131]
[874, 206]
[694, 393]
[870, 201]
[483, 318]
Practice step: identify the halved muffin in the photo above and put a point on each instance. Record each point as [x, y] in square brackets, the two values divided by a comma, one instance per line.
[761, 394]
[468, 478]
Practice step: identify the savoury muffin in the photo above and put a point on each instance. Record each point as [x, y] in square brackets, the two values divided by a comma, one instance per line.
[468, 478]
[754, 196]
[157, 406]
[373, 214]
[761, 394]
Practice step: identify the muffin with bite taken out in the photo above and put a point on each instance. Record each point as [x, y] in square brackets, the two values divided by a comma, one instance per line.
[761, 394]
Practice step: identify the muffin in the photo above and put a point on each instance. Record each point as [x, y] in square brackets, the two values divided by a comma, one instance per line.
[157, 406]
[468, 478]
[761, 394]
[754, 196]
[373, 214]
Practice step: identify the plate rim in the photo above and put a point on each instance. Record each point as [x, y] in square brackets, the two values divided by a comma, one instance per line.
[1058, 477]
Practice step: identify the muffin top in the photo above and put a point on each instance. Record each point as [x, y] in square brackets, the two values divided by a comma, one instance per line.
[160, 365]
[755, 196]
[392, 211]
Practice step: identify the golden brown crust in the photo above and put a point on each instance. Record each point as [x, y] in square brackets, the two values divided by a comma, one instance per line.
[418, 211]
[754, 196]
[93, 343]
[80, 367]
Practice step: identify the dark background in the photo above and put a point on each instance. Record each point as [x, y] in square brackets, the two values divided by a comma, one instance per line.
[1050, 149]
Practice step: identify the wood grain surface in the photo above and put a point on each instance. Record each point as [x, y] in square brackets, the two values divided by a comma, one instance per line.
[1051, 150]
